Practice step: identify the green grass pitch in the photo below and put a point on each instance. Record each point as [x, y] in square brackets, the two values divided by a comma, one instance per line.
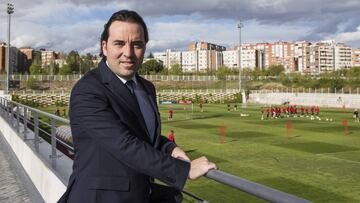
[315, 160]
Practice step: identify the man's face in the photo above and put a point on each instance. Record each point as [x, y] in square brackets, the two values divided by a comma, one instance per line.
[124, 48]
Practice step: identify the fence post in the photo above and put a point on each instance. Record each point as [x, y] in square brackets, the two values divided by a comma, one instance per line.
[53, 155]
[12, 114]
[36, 131]
[17, 119]
[25, 123]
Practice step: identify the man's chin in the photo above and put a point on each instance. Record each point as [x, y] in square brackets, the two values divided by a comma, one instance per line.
[127, 74]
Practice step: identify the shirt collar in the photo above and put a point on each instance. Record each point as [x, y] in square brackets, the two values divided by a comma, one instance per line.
[123, 80]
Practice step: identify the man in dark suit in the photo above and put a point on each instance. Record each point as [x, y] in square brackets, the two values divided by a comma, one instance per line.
[115, 125]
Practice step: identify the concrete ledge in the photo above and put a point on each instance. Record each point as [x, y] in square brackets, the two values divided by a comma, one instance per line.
[45, 180]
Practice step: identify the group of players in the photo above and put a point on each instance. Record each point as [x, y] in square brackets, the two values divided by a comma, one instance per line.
[289, 110]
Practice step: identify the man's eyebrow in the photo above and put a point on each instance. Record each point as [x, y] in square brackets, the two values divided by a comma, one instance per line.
[138, 41]
[118, 40]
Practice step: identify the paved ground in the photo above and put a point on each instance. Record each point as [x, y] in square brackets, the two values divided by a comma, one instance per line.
[12, 189]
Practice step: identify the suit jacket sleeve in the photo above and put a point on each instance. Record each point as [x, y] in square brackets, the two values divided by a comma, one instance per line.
[91, 111]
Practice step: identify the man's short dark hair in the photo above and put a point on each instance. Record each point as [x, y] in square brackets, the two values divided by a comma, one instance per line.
[124, 16]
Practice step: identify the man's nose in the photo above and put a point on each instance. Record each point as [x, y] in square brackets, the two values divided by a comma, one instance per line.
[127, 50]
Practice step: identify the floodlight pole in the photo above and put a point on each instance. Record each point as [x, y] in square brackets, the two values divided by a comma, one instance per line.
[10, 10]
[239, 26]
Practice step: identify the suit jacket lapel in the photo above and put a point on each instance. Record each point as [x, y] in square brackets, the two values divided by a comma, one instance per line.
[114, 84]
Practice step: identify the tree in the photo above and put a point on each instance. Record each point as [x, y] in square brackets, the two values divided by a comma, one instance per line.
[35, 68]
[150, 67]
[65, 70]
[175, 69]
[222, 72]
[73, 60]
[275, 70]
[87, 63]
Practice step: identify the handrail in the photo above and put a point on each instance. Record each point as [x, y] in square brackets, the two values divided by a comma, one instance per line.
[255, 189]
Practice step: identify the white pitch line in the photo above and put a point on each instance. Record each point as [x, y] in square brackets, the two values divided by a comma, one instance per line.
[356, 162]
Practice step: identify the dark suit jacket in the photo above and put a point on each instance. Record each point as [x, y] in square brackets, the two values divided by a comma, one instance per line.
[114, 157]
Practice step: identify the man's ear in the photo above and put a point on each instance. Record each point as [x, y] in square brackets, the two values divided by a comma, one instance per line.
[104, 48]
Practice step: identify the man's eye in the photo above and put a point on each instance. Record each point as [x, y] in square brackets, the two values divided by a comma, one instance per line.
[138, 45]
[119, 44]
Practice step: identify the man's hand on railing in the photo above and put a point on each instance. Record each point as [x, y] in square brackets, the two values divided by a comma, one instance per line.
[199, 167]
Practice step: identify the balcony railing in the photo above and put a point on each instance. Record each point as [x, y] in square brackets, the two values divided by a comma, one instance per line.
[47, 126]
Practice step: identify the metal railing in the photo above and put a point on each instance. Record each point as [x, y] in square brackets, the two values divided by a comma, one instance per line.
[43, 124]
[254, 189]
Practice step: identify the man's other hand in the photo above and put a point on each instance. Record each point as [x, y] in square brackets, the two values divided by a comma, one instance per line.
[199, 167]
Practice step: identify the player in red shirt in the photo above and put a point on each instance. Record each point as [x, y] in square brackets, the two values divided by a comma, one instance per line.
[172, 136]
[171, 113]
[302, 110]
[317, 110]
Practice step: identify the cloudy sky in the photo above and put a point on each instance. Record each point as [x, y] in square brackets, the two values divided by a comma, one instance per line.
[64, 25]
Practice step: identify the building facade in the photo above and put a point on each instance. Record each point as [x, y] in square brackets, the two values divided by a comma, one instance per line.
[47, 57]
[356, 57]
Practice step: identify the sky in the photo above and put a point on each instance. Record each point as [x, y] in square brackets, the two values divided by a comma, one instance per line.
[65, 25]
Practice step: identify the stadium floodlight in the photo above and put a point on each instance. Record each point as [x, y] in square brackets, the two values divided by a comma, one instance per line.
[239, 26]
[10, 10]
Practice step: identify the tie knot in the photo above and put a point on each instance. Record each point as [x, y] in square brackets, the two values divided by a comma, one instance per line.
[131, 85]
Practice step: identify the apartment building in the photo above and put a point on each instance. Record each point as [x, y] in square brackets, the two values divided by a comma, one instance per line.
[47, 57]
[321, 57]
[328, 56]
[161, 56]
[356, 57]
[262, 52]
[13, 58]
[282, 53]
[169, 57]
[231, 59]
[342, 56]
[209, 56]
[25, 58]
[189, 61]
[205, 46]
[248, 57]
[300, 56]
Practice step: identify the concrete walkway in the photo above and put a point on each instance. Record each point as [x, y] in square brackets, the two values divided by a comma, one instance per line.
[14, 186]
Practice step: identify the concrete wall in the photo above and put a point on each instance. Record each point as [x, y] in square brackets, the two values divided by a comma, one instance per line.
[308, 99]
[45, 180]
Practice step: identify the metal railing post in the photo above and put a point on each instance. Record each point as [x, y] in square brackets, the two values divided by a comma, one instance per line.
[2, 106]
[25, 123]
[53, 155]
[17, 119]
[36, 131]
[11, 114]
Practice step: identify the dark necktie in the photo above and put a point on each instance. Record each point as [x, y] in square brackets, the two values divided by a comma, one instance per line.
[130, 84]
[145, 108]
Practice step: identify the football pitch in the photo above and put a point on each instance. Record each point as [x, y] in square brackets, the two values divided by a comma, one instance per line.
[318, 160]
